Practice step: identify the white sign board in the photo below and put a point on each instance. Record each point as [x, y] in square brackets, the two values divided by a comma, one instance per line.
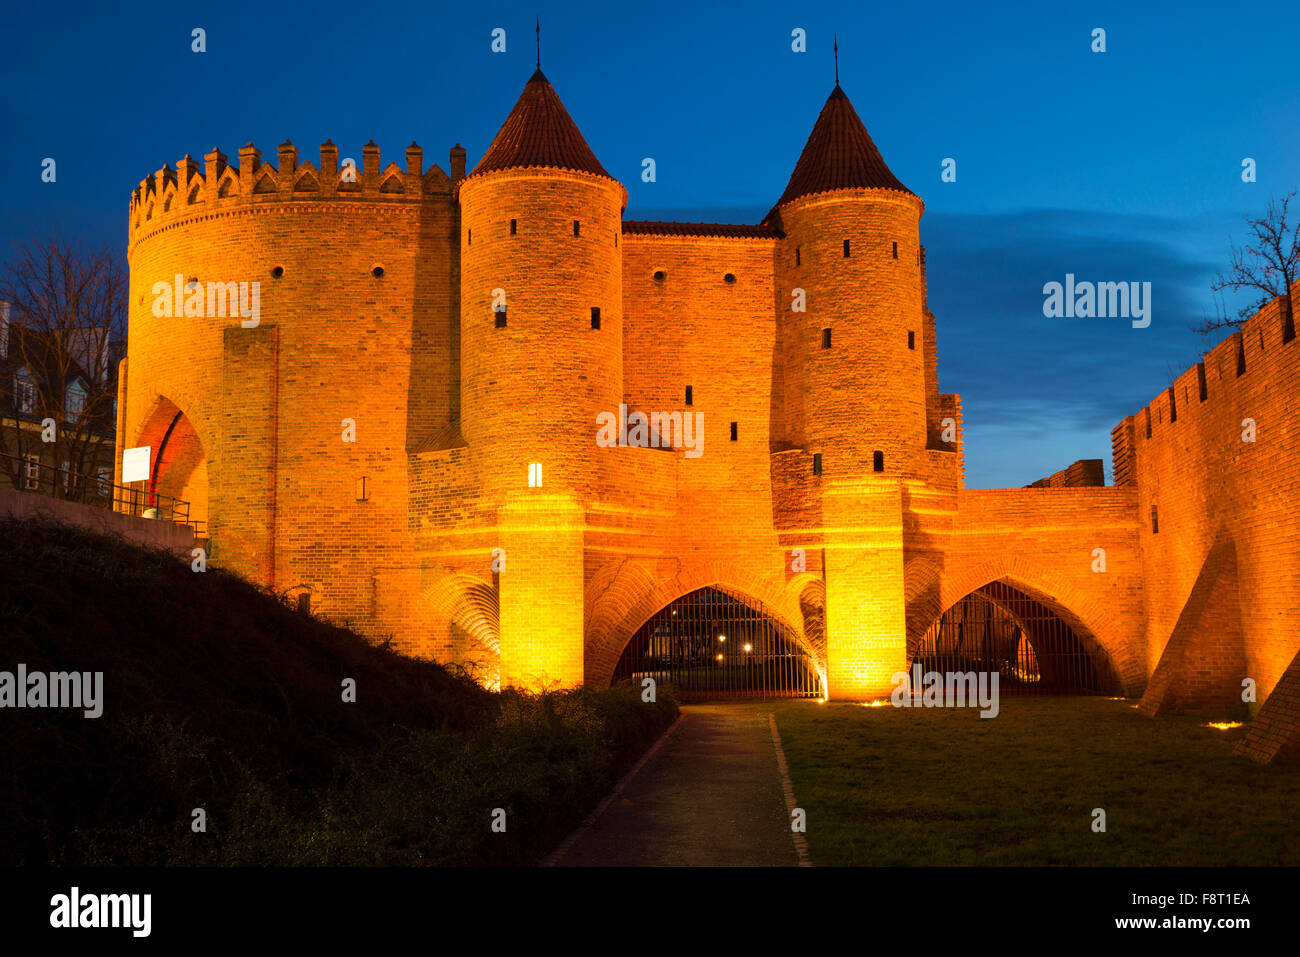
[135, 464]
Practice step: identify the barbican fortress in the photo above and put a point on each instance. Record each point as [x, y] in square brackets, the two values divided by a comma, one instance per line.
[406, 441]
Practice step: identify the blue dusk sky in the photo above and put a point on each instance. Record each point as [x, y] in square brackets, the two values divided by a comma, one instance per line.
[1115, 166]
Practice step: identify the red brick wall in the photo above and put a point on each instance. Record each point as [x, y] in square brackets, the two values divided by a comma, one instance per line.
[1207, 484]
[267, 404]
[867, 392]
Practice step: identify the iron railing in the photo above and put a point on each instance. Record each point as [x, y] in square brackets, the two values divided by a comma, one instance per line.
[712, 644]
[100, 491]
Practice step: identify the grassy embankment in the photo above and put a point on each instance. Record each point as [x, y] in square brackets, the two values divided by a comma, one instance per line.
[219, 696]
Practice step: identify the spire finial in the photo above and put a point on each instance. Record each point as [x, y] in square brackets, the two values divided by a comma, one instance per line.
[837, 59]
[539, 42]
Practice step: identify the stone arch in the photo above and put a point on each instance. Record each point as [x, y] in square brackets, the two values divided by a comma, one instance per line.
[178, 459]
[467, 609]
[921, 594]
[806, 593]
[623, 598]
[1085, 613]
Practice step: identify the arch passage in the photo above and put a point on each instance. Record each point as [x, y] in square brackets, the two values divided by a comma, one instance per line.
[714, 643]
[180, 466]
[1000, 628]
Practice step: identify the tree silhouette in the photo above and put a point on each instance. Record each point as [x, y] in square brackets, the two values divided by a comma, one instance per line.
[1266, 265]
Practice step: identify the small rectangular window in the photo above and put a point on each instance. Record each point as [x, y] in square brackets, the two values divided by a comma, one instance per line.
[304, 603]
[911, 340]
[534, 474]
[514, 227]
[1155, 521]
[817, 463]
[469, 237]
[595, 317]
[500, 317]
[877, 461]
[734, 427]
[826, 338]
[846, 249]
[690, 396]
[575, 227]
[361, 489]
[796, 256]
[895, 250]
[31, 472]
[25, 390]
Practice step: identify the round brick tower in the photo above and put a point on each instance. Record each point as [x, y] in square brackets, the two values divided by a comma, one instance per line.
[541, 299]
[852, 246]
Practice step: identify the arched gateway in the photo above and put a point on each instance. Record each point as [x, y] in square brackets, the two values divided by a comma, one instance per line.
[1001, 628]
[715, 642]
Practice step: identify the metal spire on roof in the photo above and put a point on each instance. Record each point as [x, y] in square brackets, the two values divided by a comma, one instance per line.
[837, 59]
[539, 42]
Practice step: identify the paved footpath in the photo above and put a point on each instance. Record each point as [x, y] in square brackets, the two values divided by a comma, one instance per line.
[711, 795]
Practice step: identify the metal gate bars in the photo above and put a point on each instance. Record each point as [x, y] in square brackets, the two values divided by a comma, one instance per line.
[711, 643]
[999, 628]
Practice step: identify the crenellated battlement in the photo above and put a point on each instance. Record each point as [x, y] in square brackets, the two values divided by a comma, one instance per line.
[1242, 370]
[170, 195]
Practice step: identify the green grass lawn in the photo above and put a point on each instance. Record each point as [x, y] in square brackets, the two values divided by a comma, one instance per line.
[893, 786]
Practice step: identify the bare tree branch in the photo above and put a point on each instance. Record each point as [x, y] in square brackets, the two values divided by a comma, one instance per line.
[67, 328]
[1267, 264]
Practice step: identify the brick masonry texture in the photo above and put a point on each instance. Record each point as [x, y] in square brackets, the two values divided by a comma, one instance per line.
[377, 309]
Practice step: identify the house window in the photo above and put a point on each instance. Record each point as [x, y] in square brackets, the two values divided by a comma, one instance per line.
[895, 250]
[911, 340]
[826, 338]
[576, 227]
[535, 475]
[500, 315]
[846, 249]
[1155, 521]
[690, 396]
[595, 317]
[877, 461]
[797, 256]
[734, 427]
[304, 603]
[514, 226]
[25, 393]
[469, 237]
[31, 472]
[729, 277]
[660, 275]
[103, 481]
[817, 463]
[361, 489]
[76, 403]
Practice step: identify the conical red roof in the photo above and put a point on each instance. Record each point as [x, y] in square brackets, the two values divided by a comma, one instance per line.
[539, 132]
[839, 154]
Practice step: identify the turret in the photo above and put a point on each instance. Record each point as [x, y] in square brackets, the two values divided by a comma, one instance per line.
[854, 358]
[541, 297]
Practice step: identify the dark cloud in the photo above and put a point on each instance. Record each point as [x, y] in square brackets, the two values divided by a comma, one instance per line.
[1037, 386]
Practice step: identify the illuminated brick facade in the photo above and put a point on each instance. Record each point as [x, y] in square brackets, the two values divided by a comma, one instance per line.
[474, 326]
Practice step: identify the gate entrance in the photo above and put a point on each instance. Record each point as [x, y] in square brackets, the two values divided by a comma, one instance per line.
[1000, 628]
[711, 643]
